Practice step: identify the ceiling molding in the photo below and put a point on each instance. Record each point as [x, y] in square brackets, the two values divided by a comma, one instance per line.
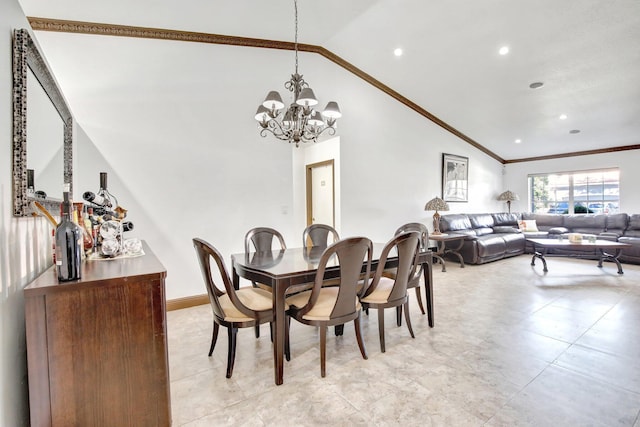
[576, 153]
[80, 27]
[93, 28]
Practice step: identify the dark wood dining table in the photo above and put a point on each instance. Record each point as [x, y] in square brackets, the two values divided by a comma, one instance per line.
[285, 268]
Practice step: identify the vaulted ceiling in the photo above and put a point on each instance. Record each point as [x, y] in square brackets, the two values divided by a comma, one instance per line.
[586, 53]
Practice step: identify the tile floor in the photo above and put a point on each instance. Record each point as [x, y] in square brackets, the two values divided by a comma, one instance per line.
[511, 346]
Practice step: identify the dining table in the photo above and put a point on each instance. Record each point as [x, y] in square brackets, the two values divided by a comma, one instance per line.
[284, 269]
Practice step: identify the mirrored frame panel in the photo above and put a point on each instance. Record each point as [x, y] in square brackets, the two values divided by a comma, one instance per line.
[26, 56]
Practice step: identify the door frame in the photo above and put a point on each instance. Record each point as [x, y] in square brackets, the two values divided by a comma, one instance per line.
[309, 184]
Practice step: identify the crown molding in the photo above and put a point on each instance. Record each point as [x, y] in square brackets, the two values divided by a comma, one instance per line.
[94, 28]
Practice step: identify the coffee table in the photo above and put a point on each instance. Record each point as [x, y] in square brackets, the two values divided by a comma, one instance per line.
[601, 248]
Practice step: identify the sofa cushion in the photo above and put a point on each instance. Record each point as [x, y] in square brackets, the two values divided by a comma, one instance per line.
[479, 221]
[504, 219]
[545, 221]
[633, 229]
[617, 223]
[506, 229]
[586, 224]
[454, 222]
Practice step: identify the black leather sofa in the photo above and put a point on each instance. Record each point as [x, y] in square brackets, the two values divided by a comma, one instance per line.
[493, 236]
[489, 236]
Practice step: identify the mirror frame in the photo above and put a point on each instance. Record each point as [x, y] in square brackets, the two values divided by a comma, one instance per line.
[27, 56]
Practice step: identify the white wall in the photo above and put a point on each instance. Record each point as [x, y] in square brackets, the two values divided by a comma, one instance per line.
[25, 246]
[627, 161]
[172, 124]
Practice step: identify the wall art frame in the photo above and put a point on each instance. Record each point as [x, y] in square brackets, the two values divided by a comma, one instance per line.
[455, 178]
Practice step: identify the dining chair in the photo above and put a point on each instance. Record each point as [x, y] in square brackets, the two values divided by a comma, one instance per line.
[319, 235]
[262, 240]
[324, 306]
[385, 292]
[242, 308]
[414, 281]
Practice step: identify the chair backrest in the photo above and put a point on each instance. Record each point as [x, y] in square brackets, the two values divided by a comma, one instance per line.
[205, 252]
[319, 235]
[352, 254]
[420, 228]
[261, 238]
[407, 247]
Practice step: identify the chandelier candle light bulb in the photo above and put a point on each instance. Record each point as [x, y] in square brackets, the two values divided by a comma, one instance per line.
[300, 121]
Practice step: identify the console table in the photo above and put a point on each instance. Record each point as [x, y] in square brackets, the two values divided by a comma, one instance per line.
[443, 250]
[97, 347]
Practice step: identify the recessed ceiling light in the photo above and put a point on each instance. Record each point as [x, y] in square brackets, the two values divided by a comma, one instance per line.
[574, 131]
[518, 141]
[503, 50]
[563, 117]
[536, 85]
[397, 52]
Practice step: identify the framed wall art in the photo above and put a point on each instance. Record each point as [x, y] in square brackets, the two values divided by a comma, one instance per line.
[455, 178]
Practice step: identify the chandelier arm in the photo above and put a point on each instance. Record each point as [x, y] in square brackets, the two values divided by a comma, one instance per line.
[276, 129]
[312, 135]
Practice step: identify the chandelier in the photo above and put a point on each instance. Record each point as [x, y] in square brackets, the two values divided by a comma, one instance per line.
[301, 121]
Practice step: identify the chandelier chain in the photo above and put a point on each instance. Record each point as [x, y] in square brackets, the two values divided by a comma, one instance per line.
[295, 6]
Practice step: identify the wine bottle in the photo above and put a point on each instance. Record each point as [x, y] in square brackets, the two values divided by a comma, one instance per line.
[96, 199]
[127, 226]
[68, 244]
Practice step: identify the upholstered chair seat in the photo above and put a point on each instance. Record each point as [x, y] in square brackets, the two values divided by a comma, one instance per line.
[321, 310]
[381, 293]
[253, 298]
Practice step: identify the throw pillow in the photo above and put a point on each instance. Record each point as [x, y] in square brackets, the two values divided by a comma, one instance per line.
[528, 225]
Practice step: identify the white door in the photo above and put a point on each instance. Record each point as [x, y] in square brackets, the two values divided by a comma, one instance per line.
[320, 201]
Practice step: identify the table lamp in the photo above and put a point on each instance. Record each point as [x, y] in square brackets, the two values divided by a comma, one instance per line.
[508, 196]
[436, 204]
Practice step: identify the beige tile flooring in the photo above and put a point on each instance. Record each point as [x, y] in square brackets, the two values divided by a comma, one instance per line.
[511, 346]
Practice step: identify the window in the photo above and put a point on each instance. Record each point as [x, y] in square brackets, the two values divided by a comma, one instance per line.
[596, 191]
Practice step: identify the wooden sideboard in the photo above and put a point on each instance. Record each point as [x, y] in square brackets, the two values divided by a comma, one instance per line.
[97, 347]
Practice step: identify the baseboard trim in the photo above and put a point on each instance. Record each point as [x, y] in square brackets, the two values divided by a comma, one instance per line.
[186, 302]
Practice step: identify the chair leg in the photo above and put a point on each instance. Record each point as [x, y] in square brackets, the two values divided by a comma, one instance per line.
[419, 298]
[323, 350]
[363, 350]
[381, 328]
[287, 347]
[233, 332]
[399, 315]
[339, 330]
[214, 337]
[257, 331]
[408, 318]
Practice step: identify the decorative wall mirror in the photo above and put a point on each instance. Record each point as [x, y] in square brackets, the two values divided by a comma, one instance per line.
[44, 125]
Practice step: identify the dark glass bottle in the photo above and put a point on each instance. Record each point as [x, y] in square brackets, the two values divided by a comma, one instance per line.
[96, 199]
[127, 226]
[68, 244]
